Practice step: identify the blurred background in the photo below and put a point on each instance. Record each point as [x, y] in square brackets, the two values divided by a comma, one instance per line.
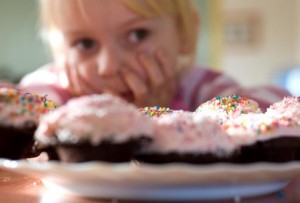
[255, 42]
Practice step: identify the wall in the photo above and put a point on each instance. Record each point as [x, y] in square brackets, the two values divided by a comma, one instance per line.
[209, 33]
[297, 31]
[278, 46]
[21, 49]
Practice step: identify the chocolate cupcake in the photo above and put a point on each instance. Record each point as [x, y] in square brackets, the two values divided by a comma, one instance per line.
[228, 107]
[187, 137]
[288, 110]
[94, 128]
[19, 116]
[263, 138]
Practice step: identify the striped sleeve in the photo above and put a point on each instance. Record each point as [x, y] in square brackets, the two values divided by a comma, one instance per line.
[203, 84]
[45, 81]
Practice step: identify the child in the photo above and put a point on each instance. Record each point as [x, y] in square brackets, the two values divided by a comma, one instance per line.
[140, 50]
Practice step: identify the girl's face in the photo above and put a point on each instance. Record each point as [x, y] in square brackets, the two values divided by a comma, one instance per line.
[108, 40]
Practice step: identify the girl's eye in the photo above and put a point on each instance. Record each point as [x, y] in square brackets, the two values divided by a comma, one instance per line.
[86, 44]
[138, 35]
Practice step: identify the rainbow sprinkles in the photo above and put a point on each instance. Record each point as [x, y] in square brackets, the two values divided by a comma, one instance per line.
[18, 108]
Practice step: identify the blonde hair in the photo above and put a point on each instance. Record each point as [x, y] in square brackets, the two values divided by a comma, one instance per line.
[184, 12]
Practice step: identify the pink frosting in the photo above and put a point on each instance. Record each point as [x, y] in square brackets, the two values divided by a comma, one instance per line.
[93, 118]
[287, 107]
[186, 132]
[249, 128]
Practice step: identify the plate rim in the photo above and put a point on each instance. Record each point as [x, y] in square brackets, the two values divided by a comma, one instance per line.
[138, 174]
[134, 176]
[213, 192]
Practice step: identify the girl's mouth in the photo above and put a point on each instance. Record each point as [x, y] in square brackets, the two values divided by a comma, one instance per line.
[128, 96]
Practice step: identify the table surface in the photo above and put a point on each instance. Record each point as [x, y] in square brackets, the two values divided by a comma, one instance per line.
[17, 188]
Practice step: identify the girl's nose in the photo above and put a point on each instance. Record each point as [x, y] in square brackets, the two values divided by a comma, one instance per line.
[108, 63]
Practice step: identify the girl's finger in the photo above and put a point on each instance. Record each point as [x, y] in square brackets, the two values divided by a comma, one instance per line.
[152, 69]
[90, 79]
[168, 70]
[77, 83]
[166, 67]
[71, 85]
[136, 85]
[86, 87]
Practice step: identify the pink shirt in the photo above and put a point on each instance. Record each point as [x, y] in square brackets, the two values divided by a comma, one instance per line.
[198, 86]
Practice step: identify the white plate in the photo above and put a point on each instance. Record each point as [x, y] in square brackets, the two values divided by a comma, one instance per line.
[159, 182]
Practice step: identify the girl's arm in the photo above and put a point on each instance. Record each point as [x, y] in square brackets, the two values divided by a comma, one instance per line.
[46, 81]
[7, 84]
[202, 84]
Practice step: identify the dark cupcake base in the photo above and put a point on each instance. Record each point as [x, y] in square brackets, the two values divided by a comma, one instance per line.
[277, 150]
[17, 143]
[106, 151]
[157, 158]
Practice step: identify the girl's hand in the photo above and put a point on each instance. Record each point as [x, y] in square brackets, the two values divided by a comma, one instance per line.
[160, 86]
[8, 85]
[76, 83]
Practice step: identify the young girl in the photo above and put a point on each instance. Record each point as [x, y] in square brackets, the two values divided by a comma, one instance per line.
[140, 50]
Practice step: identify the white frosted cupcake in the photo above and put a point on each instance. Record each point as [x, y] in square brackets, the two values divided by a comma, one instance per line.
[96, 127]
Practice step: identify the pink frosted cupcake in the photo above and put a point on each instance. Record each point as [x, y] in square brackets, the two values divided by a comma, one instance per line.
[229, 107]
[190, 138]
[97, 127]
[288, 109]
[264, 138]
[20, 113]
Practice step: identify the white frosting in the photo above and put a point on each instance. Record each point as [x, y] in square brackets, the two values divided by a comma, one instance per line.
[93, 118]
[250, 128]
[186, 132]
[20, 109]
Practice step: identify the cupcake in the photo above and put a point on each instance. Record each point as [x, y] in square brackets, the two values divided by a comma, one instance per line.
[264, 138]
[187, 137]
[287, 109]
[96, 127]
[229, 107]
[19, 116]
